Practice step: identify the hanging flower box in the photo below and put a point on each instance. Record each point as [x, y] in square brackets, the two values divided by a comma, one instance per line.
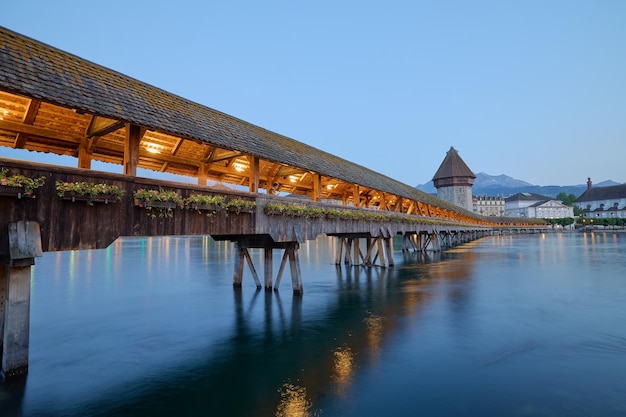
[210, 204]
[239, 205]
[103, 198]
[205, 207]
[274, 209]
[89, 192]
[156, 204]
[7, 191]
[239, 210]
[162, 201]
[19, 185]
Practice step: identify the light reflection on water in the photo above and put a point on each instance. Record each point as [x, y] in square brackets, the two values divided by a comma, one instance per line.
[509, 325]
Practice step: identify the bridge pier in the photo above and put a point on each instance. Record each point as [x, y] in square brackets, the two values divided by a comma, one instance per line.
[379, 248]
[290, 254]
[18, 253]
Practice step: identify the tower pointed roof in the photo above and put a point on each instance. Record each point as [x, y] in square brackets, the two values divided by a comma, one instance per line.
[453, 171]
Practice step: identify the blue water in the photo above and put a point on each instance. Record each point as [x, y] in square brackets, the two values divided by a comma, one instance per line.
[504, 326]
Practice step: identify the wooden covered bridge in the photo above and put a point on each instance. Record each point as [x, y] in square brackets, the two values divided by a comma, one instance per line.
[55, 102]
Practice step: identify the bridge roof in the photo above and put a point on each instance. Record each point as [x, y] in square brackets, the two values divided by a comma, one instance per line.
[75, 93]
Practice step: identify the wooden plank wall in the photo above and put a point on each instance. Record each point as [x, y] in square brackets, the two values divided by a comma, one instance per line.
[67, 225]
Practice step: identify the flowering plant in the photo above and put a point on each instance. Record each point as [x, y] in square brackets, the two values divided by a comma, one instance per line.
[158, 199]
[204, 200]
[239, 204]
[21, 181]
[209, 203]
[89, 189]
[293, 210]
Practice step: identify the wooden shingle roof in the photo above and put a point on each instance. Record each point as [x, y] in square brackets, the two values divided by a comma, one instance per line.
[34, 70]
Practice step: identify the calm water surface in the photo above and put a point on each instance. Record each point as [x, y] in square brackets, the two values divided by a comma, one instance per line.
[505, 326]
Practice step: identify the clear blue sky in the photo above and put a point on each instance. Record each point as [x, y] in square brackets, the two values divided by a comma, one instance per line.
[534, 89]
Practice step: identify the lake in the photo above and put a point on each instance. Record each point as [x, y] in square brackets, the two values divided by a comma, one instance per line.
[530, 325]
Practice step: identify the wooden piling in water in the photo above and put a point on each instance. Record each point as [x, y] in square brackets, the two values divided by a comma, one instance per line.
[18, 252]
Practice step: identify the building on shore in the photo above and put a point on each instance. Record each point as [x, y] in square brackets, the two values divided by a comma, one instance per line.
[454, 180]
[603, 202]
[487, 205]
[531, 205]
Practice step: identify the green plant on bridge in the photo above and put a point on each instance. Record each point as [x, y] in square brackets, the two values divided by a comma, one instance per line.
[315, 212]
[211, 204]
[293, 210]
[162, 201]
[332, 213]
[26, 184]
[88, 189]
[239, 205]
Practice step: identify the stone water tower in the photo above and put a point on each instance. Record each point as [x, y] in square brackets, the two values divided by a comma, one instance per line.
[454, 180]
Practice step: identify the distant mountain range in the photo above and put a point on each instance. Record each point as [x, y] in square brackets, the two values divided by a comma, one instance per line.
[503, 185]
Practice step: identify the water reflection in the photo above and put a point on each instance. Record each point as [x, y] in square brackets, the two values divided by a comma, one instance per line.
[154, 327]
[293, 402]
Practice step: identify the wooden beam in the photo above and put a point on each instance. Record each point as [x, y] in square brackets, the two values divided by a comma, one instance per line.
[285, 171]
[206, 157]
[202, 174]
[29, 119]
[31, 112]
[254, 174]
[20, 141]
[356, 196]
[84, 155]
[100, 126]
[131, 148]
[399, 203]
[317, 187]
[38, 131]
[221, 155]
[179, 143]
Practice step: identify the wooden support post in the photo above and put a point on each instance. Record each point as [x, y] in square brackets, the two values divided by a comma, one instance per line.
[267, 270]
[389, 249]
[339, 251]
[16, 319]
[317, 187]
[254, 174]
[23, 246]
[246, 254]
[131, 149]
[283, 262]
[371, 245]
[356, 196]
[405, 242]
[294, 263]
[435, 242]
[84, 155]
[348, 258]
[202, 174]
[422, 243]
[238, 273]
[381, 251]
[356, 252]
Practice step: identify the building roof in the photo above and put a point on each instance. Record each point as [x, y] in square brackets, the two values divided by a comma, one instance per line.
[38, 71]
[613, 192]
[453, 167]
[528, 197]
